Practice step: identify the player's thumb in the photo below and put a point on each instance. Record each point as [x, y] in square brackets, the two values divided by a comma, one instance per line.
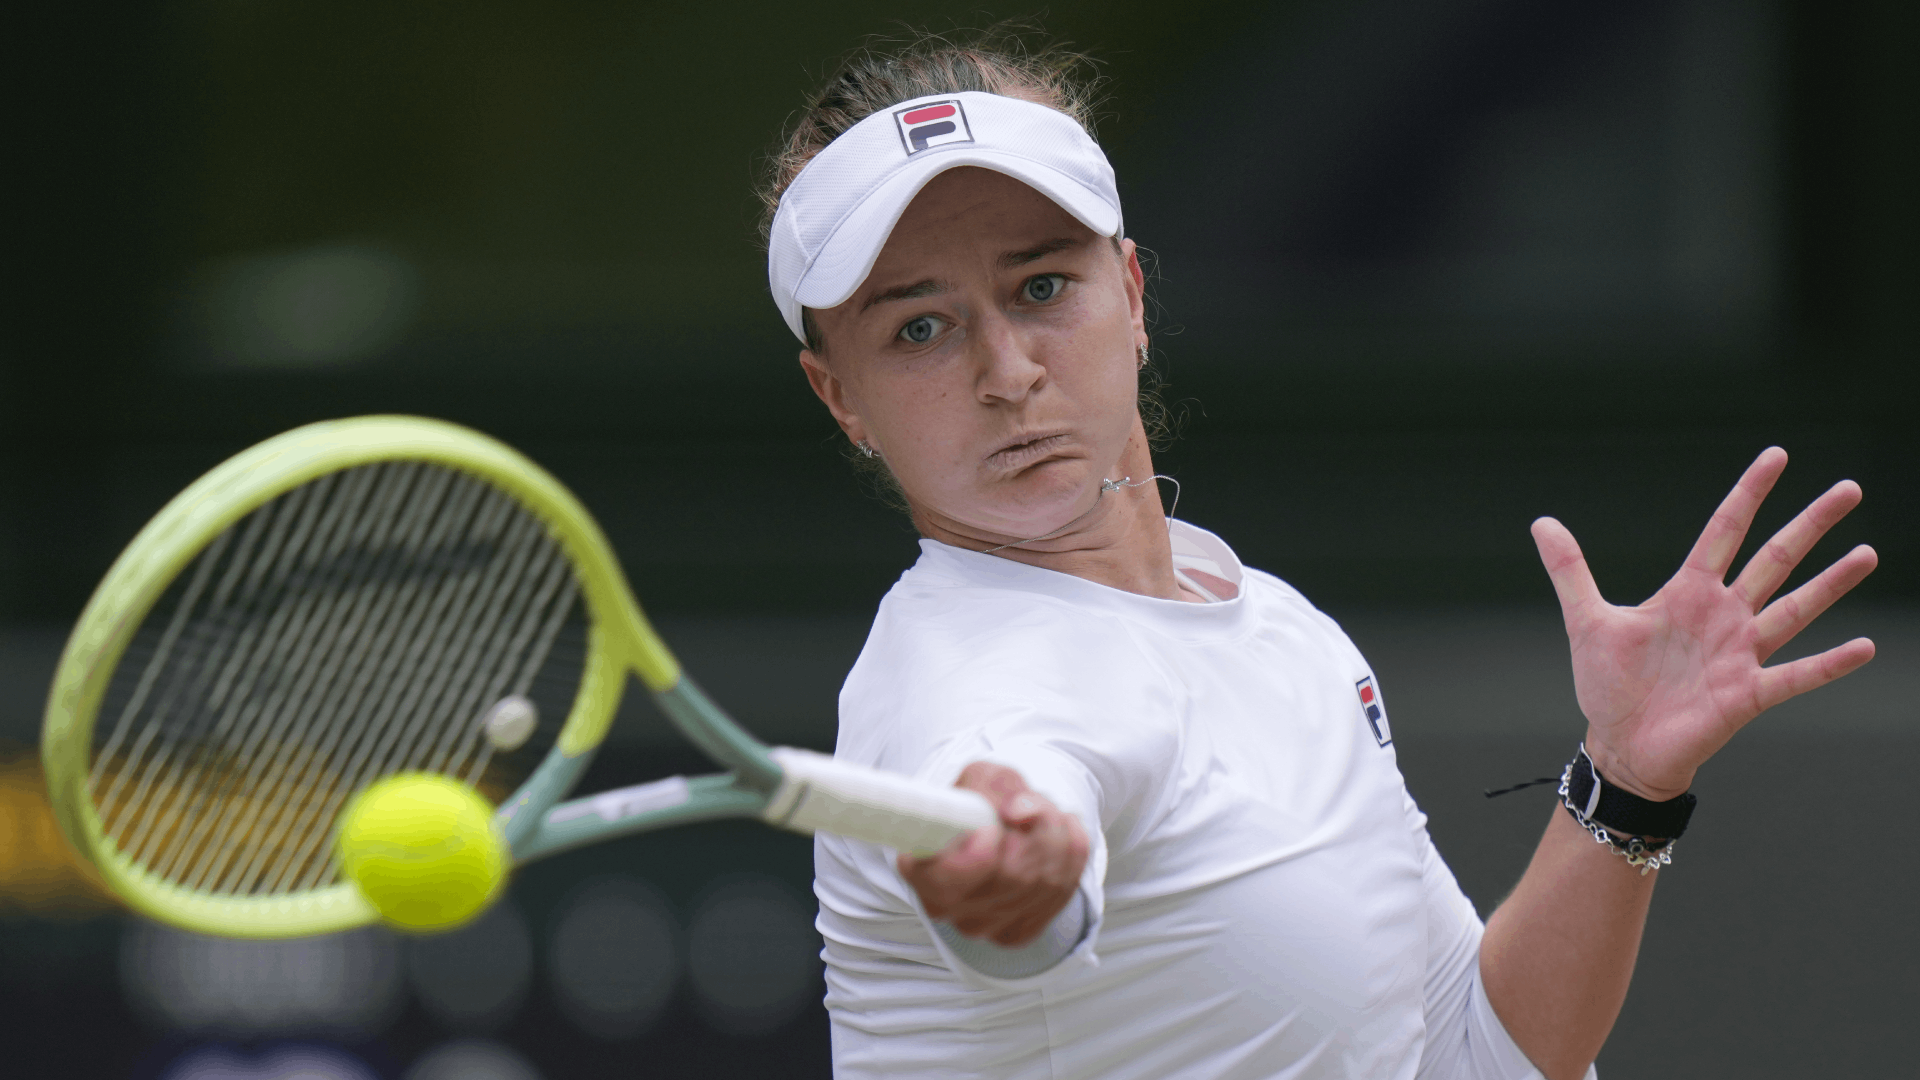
[1565, 565]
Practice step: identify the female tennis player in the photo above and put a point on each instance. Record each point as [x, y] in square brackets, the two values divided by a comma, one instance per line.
[1208, 864]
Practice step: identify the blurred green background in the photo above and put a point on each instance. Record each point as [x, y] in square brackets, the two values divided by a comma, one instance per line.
[1422, 272]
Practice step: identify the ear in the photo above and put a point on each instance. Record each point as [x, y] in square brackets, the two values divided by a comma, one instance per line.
[833, 394]
[1136, 287]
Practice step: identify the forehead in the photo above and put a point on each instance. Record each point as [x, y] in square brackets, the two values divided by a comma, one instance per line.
[971, 209]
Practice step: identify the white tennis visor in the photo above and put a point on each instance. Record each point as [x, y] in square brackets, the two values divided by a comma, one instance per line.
[837, 214]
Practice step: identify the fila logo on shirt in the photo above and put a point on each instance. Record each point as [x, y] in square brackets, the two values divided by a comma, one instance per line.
[1376, 713]
[938, 123]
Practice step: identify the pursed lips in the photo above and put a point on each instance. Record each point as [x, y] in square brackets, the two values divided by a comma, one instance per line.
[1026, 449]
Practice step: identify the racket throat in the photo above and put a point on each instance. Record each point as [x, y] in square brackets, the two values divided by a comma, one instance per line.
[521, 816]
[708, 727]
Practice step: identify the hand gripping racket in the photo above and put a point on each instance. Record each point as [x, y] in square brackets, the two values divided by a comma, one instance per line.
[363, 597]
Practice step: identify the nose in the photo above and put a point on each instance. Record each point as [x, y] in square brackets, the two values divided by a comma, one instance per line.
[1009, 372]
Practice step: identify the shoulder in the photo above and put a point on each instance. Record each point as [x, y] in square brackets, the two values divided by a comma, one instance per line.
[932, 628]
[946, 661]
[1283, 601]
[1272, 589]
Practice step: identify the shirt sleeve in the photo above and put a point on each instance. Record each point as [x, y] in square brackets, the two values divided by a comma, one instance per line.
[1069, 943]
[1088, 721]
[1465, 1038]
[1057, 942]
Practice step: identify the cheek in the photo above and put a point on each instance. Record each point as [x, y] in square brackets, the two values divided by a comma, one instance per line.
[915, 419]
[1121, 402]
[1097, 358]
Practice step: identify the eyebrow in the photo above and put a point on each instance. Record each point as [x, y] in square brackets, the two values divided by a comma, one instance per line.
[907, 292]
[1008, 261]
[1039, 251]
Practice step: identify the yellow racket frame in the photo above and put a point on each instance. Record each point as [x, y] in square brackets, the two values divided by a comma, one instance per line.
[619, 638]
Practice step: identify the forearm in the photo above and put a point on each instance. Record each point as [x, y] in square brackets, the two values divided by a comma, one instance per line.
[1559, 953]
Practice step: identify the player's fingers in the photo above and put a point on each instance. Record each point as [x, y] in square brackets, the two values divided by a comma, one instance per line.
[1017, 804]
[1024, 809]
[1007, 886]
[1013, 936]
[1063, 845]
[1713, 552]
[1782, 681]
[1002, 786]
[1004, 928]
[995, 908]
[951, 902]
[1017, 907]
[1010, 911]
[1030, 924]
[1038, 870]
[973, 920]
[938, 898]
[1048, 857]
[1769, 567]
[1078, 847]
[1566, 566]
[961, 869]
[1787, 616]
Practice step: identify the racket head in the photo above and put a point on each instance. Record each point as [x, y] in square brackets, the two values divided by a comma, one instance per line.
[141, 818]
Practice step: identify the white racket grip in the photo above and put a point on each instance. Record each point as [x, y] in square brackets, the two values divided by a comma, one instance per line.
[820, 794]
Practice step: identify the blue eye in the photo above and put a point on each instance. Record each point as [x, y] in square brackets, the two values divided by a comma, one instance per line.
[921, 330]
[1043, 287]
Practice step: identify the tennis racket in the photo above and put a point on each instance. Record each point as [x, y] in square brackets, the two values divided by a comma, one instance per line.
[363, 597]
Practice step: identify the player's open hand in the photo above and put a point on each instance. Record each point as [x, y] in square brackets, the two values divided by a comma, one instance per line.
[1664, 685]
[1006, 882]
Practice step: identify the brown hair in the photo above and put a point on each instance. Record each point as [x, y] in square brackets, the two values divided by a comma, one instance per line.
[1001, 59]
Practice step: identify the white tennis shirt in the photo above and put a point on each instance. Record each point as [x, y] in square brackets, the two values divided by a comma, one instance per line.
[1264, 899]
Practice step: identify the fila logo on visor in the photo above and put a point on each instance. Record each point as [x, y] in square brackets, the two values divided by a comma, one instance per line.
[937, 123]
[1376, 714]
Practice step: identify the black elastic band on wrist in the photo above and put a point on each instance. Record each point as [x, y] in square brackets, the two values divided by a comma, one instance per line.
[1593, 799]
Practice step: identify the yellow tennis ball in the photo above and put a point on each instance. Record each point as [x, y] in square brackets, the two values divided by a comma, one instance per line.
[424, 849]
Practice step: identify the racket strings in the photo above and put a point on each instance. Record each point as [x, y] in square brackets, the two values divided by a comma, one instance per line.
[252, 637]
[241, 823]
[536, 658]
[258, 719]
[157, 666]
[382, 714]
[484, 655]
[239, 876]
[356, 626]
[188, 681]
[294, 768]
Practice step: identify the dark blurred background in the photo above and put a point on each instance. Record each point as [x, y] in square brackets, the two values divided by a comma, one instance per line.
[1423, 271]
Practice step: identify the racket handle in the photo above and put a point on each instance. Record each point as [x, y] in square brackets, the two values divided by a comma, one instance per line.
[820, 794]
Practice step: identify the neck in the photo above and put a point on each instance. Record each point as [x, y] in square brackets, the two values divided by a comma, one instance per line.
[1120, 540]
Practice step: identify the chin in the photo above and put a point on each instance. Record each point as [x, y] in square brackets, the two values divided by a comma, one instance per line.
[1040, 498]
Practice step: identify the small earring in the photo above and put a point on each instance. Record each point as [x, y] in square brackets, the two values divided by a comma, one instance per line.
[1143, 355]
[865, 450]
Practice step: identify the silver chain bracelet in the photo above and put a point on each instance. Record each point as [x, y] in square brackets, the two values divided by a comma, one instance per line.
[1636, 850]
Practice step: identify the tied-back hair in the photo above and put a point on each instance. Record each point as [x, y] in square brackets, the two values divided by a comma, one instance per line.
[1009, 59]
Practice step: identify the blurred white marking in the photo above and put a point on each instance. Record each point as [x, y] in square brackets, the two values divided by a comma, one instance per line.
[628, 801]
